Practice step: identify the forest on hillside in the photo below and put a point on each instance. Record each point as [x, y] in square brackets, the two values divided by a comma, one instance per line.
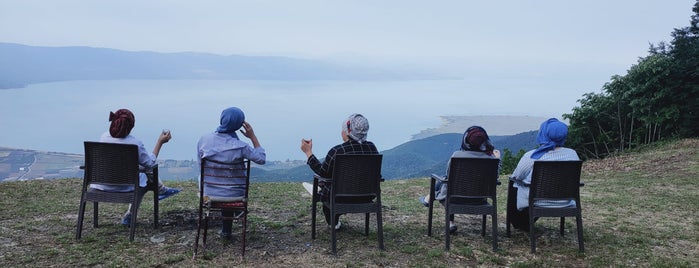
[657, 99]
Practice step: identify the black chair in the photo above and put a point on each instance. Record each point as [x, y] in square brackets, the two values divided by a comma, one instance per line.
[114, 164]
[469, 181]
[236, 174]
[354, 176]
[551, 181]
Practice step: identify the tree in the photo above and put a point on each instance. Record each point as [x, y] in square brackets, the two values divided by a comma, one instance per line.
[658, 98]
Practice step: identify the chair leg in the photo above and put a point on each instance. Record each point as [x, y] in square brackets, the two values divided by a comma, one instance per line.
[532, 237]
[134, 217]
[509, 206]
[483, 225]
[196, 239]
[563, 222]
[379, 227]
[155, 209]
[429, 218]
[245, 225]
[333, 231]
[581, 242]
[495, 230]
[81, 214]
[313, 217]
[366, 225]
[446, 230]
[95, 209]
[206, 231]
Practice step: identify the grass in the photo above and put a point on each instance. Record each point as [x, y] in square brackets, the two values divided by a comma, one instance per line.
[639, 209]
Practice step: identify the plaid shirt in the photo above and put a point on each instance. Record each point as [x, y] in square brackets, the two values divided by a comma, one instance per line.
[325, 169]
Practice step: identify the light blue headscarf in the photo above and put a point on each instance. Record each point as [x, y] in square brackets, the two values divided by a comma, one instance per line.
[552, 133]
[231, 120]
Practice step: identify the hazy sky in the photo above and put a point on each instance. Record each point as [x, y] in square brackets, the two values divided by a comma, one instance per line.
[438, 32]
[519, 57]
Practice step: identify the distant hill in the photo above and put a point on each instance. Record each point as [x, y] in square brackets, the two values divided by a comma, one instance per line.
[417, 158]
[497, 125]
[21, 65]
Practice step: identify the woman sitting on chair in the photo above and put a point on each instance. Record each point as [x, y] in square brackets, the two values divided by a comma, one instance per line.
[122, 121]
[225, 146]
[475, 143]
[552, 135]
[354, 133]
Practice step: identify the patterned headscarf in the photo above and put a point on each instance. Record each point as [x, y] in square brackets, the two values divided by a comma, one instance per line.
[231, 120]
[476, 139]
[356, 126]
[123, 121]
[552, 133]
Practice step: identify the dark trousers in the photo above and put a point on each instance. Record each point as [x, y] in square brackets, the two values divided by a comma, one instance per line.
[227, 226]
[325, 194]
[519, 219]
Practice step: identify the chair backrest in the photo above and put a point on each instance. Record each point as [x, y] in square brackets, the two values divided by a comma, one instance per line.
[472, 177]
[357, 175]
[111, 164]
[555, 180]
[235, 173]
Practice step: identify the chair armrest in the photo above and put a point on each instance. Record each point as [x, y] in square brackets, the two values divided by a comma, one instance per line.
[148, 171]
[441, 178]
[512, 179]
[316, 177]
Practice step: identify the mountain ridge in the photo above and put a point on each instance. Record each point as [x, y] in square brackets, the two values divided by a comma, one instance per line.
[21, 65]
[416, 158]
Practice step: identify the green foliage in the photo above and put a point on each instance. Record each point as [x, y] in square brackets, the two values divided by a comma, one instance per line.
[657, 99]
[509, 161]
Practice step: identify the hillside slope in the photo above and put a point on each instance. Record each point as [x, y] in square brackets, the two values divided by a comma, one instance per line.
[639, 210]
[416, 158]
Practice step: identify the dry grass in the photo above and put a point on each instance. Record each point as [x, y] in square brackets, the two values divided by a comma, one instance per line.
[639, 210]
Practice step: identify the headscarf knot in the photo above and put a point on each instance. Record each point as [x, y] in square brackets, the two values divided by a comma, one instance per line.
[231, 120]
[552, 134]
[356, 126]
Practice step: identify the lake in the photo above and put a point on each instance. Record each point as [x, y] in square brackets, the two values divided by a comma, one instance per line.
[60, 116]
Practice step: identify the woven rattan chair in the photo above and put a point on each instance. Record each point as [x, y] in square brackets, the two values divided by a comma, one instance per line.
[354, 176]
[468, 178]
[116, 165]
[551, 180]
[211, 207]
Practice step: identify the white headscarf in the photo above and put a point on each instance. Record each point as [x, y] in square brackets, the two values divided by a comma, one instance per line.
[356, 126]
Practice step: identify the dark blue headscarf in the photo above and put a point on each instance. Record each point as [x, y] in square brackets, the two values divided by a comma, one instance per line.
[231, 120]
[552, 133]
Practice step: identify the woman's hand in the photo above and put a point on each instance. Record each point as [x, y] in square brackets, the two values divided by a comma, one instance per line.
[248, 130]
[165, 136]
[307, 147]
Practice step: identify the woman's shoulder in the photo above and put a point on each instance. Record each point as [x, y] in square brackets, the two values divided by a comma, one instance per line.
[477, 154]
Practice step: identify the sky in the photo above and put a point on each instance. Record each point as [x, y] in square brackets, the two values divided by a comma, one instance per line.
[436, 33]
[496, 47]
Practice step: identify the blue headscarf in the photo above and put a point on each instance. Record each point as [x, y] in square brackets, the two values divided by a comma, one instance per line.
[231, 120]
[552, 133]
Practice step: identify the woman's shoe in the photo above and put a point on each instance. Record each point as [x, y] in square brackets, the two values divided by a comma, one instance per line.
[166, 192]
[423, 201]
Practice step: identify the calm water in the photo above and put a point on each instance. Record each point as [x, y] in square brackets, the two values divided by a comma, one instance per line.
[60, 116]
